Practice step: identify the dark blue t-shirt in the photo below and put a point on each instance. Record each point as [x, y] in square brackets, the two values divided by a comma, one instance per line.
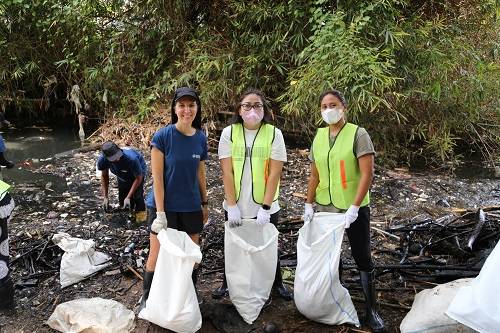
[130, 165]
[180, 171]
[2, 144]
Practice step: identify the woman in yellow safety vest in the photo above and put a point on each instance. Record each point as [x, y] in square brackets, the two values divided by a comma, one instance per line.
[252, 153]
[342, 163]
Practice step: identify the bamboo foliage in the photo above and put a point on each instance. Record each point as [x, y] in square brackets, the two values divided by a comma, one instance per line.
[421, 76]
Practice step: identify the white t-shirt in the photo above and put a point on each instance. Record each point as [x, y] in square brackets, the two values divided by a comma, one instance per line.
[247, 206]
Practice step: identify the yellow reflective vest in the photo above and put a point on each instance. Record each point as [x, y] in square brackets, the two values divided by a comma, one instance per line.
[260, 153]
[338, 168]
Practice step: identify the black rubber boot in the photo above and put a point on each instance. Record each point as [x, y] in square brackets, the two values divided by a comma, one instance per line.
[372, 318]
[222, 290]
[146, 286]
[278, 285]
[194, 277]
[7, 295]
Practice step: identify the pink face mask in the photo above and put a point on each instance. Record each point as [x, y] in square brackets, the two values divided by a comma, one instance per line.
[252, 117]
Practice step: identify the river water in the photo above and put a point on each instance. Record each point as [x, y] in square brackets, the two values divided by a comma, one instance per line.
[29, 148]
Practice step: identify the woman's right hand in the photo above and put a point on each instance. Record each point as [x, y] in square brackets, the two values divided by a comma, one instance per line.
[234, 216]
[160, 222]
[308, 213]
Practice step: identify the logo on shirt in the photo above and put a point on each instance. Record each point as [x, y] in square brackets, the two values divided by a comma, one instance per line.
[196, 156]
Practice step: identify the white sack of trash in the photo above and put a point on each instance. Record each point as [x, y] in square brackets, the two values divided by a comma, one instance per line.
[427, 313]
[80, 259]
[92, 315]
[478, 304]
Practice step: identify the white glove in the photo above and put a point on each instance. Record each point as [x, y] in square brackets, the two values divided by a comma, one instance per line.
[234, 216]
[308, 213]
[160, 222]
[105, 204]
[263, 216]
[350, 215]
[126, 203]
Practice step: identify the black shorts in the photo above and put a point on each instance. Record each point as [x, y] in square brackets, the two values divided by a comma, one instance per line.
[189, 222]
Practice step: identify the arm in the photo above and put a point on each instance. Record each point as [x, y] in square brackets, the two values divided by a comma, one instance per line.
[228, 180]
[275, 168]
[105, 182]
[366, 167]
[135, 185]
[312, 184]
[157, 165]
[202, 180]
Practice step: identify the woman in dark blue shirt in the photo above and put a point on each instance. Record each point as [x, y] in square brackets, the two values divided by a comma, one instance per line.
[179, 196]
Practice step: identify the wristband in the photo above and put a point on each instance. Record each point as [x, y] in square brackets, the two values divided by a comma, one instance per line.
[266, 207]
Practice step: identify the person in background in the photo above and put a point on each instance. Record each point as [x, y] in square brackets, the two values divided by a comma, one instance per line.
[179, 196]
[342, 166]
[130, 168]
[6, 207]
[251, 154]
[3, 160]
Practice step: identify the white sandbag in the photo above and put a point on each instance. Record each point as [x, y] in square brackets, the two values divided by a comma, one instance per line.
[172, 302]
[427, 314]
[92, 315]
[478, 305]
[251, 255]
[318, 293]
[79, 260]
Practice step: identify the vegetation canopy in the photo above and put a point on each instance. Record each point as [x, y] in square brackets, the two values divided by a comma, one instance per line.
[421, 76]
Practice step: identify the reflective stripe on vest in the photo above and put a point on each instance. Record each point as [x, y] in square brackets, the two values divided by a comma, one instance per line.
[259, 159]
[4, 188]
[338, 168]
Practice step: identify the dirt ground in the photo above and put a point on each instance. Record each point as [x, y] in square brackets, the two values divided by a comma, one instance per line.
[72, 205]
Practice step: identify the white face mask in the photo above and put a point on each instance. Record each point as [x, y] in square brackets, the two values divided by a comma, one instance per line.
[332, 116]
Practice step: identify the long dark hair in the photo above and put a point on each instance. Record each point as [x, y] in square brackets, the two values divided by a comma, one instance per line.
[186, 91]
[268, 117]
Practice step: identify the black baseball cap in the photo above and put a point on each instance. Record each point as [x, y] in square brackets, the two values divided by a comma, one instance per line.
[111, 151]
[186, 91]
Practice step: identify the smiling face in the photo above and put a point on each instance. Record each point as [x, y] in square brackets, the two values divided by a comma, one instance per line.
[185, 109]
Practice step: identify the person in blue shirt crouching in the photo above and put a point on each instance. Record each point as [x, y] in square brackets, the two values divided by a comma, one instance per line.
[129, 167]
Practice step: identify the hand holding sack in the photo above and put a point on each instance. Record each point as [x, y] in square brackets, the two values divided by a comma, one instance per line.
[308, 213]
[350, 216]
[263, 216]
[159, 223]
[233, 216]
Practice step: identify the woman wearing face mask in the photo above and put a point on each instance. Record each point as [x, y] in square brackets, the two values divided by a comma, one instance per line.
[342, 164]
[252, 153]
[179, 196]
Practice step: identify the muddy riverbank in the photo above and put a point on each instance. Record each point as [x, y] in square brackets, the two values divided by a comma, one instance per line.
[70, 201]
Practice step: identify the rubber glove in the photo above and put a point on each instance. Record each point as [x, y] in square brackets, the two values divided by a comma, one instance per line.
[126, 203]
[105, 204]
[263, 216]
[308, 213]
[160, 222]
[350, 215]
[234, 216]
